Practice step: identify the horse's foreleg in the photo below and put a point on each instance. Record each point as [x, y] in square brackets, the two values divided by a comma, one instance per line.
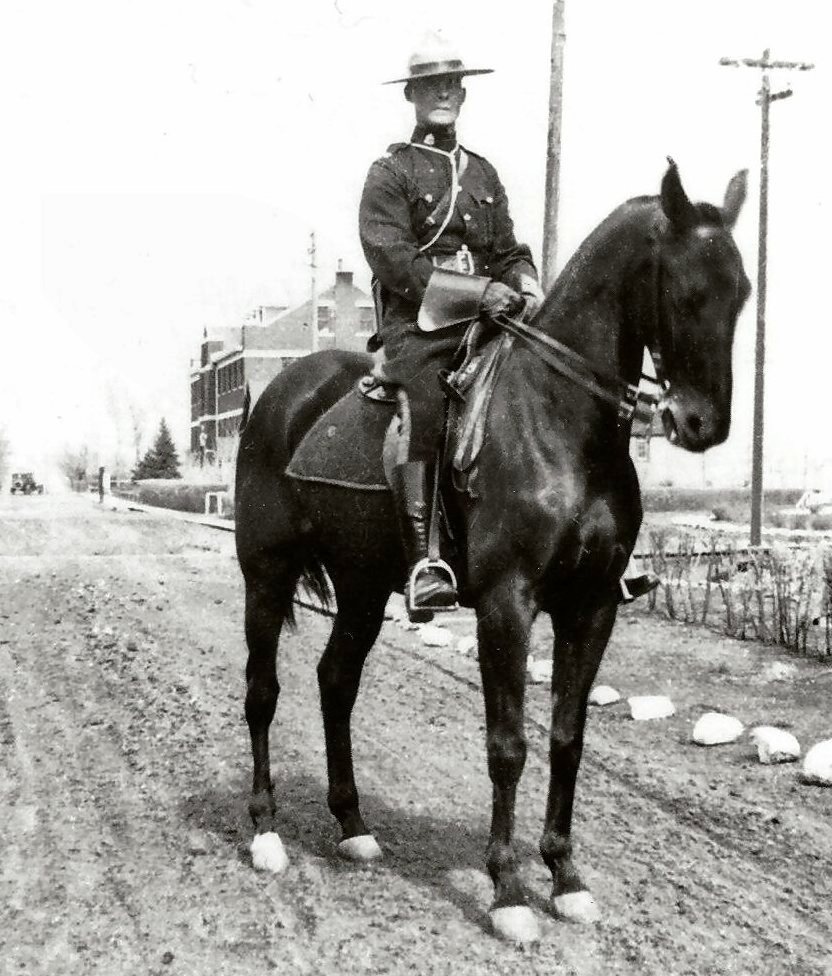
[504, 620]
[359, 619]
[582, 631]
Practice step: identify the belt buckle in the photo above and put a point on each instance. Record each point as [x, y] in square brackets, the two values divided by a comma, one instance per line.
[464, 261]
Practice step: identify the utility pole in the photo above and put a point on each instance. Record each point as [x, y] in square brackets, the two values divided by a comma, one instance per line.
[552, 199]
[313, 254]
[765, 97]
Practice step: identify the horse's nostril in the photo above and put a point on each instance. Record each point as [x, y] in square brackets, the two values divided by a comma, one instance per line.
[695, 423]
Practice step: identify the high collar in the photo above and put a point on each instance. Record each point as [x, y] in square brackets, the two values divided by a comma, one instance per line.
[437, 137]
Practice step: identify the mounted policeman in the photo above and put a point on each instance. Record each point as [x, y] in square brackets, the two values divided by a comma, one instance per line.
[431, 204]
[437, 234]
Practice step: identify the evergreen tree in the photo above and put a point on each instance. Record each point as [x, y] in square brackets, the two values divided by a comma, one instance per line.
[161, 460]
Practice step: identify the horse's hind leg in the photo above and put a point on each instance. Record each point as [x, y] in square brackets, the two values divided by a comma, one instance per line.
[360, 615]
[270, 584]
[582, 630]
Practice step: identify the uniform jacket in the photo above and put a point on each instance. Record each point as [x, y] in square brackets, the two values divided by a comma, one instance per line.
[398, 214]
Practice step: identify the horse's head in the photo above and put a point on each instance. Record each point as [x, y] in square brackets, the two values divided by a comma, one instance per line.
[700, 288]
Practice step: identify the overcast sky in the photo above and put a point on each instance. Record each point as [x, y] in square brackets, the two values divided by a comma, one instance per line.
[165, 163]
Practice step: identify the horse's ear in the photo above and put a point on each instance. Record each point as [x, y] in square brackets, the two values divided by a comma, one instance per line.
[677, 208]
[734, 198]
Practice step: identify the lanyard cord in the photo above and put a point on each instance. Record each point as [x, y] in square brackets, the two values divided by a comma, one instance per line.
[451, 156]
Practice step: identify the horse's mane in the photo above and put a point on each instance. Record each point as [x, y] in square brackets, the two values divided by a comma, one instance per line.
[641, 217]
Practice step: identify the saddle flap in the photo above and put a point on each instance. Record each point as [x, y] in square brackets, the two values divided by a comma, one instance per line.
[472, 414]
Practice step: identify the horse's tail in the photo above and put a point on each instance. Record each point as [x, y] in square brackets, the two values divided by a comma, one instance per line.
[313, 591]
[246, 409]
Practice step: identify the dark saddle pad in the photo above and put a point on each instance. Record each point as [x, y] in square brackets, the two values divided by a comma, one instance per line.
[345, 446]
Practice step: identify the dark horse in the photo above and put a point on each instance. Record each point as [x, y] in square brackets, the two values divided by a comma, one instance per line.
[552, 529]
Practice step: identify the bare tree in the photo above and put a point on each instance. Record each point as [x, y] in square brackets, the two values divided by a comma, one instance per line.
[137, 428]
[74, 464]
[4, 454]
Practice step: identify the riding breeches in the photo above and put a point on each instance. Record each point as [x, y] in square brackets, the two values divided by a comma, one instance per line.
[414, 359]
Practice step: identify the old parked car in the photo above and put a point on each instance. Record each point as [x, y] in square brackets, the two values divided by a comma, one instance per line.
[24, 483]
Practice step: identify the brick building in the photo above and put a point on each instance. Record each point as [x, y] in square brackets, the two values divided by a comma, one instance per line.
[251, 354]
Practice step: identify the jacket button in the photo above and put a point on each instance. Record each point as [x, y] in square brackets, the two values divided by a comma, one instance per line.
[489, 199]
[466, 216]
[429, 197]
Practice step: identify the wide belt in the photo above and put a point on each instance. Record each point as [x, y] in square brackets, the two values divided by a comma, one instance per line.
[462, 261]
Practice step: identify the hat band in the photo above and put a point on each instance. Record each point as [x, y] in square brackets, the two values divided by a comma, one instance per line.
[436, 68]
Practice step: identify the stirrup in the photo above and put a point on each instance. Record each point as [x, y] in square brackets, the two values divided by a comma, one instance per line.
[644, 584]
[420, 567]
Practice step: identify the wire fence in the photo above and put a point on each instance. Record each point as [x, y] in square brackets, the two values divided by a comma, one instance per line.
[780, 594]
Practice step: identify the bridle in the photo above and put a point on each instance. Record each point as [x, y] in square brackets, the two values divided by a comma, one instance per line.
[630, 401]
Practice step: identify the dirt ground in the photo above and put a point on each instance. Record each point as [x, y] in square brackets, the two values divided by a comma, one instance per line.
[125, 770]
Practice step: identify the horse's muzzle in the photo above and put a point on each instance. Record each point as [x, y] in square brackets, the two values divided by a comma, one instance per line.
[691, 427]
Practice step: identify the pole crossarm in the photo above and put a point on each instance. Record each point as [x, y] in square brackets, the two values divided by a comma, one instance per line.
[765, 64]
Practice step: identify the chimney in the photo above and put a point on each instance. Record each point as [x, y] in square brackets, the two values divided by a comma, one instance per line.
[342, 278]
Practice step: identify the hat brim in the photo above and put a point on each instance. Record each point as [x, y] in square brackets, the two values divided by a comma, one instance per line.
[455, 72]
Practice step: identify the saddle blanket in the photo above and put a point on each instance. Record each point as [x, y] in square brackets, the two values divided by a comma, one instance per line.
[344, 445]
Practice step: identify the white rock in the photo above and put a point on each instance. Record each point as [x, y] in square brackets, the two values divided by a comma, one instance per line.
[433, 636]
[539, 672]
[603, 695]
[774, 745]
[715, 729]
[817, 766]
[780, 671]
[268, 853]
[643, 707]
[395, 609]
[467, 644]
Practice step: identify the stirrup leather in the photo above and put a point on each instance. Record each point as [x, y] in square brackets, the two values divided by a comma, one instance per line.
[420, 567]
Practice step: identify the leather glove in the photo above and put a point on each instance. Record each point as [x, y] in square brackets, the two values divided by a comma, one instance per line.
[532, 295]
[499, 299]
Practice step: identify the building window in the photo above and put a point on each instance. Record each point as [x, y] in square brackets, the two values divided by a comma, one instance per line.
[643, 449]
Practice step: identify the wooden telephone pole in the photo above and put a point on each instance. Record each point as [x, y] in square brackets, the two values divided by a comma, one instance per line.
[550, 216]
[765, 97]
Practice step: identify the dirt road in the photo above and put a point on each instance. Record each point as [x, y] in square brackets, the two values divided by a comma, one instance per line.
[125, 770]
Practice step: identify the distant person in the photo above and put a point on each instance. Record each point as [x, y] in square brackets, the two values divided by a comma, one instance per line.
[103, 483]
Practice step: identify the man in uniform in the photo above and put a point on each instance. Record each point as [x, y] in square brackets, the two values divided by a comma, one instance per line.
[429, 204]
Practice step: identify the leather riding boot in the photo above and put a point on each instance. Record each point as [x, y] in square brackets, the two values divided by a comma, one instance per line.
[431, 584]
[635, 586]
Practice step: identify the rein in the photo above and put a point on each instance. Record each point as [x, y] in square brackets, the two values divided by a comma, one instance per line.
[627, 398]
[630, 402]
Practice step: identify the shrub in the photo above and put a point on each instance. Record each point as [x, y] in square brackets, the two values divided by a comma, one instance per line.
[175, 495]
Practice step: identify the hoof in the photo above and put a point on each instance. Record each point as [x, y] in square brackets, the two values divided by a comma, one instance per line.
[515, 923]
[361, 848]
[268, 853]
[576, 906]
